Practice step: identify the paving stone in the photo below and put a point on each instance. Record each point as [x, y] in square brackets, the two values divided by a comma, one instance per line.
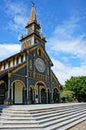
[80, 126]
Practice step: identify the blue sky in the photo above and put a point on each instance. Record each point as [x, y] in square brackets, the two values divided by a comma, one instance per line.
[62, 21]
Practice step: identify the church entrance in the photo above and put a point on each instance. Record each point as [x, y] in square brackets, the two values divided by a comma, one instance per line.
[2, 92]
[43, 95]
[55, 95]
[38, 93]
[17, 92]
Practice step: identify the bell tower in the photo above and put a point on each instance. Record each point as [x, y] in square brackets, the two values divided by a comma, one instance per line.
[34, 34]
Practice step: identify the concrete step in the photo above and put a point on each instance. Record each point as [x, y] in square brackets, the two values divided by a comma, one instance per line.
[69, 125]
[16, 114]
[42, 111]
[39, 112]
[51, 122]
[58, 117]
[42, 117]
[16, 118]
[43, 120]
[18, 122]
[38, 116]
[56, 113]
[22, 126]
[66, 123]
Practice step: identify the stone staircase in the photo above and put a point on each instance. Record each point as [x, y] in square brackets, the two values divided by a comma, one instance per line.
[41, 117]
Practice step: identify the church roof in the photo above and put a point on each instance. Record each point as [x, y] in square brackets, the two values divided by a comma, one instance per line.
[17, 54]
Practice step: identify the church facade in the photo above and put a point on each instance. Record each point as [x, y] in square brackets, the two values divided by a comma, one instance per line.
[27, 77]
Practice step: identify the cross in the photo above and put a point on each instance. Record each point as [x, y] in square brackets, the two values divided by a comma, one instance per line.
[33, 3]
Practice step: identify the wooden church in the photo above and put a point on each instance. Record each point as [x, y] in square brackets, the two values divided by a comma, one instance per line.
[27, 77]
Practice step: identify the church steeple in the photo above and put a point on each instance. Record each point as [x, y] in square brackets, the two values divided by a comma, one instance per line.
[34, 34]
[32, 15]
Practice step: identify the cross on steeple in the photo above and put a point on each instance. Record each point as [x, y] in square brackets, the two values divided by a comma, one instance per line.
[33, 4]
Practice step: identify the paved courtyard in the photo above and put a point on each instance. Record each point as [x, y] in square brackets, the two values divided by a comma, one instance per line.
[80, 126]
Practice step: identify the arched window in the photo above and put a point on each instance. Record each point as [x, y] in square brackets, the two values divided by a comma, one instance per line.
[39, 52]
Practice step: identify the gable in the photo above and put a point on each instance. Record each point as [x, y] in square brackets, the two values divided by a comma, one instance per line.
[55, 79]
[35, 50]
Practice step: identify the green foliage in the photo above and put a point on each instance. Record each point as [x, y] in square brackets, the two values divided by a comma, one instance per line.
[67, 96]
[78, 86]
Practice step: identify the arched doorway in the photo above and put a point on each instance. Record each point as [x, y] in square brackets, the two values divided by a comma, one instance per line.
[55, 95]
[31, 95]
[40, 92]
[17, 92]
[43, 95]
[2, 91]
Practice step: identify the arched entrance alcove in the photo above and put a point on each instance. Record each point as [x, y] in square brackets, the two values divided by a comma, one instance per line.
[17, 92]
[2, 91]
[31, 94]
[55, 95]
[43, 95]
[40, 92]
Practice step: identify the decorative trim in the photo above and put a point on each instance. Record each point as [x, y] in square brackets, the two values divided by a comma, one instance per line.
[19, 75]
[19, 68]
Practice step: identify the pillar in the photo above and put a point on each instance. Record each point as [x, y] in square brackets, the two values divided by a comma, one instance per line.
[8, 100]
[52, 101]
[46, 96]
[39, 94]
[27, 79]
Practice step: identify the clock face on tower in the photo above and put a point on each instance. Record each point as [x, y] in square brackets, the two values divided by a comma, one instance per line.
[40, 65]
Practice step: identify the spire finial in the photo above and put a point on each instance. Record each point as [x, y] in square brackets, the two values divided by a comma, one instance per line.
[32, 14]
[33, 4]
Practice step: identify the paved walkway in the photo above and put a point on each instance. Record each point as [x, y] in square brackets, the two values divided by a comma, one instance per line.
[80, 126]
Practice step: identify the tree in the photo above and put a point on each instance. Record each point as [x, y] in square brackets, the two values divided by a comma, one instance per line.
[78, 86]
[67, 95]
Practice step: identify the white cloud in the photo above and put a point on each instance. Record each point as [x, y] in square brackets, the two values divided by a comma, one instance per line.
[64, 72]
[17, 12]
[7, 50]
[75, 47]
[66, 40]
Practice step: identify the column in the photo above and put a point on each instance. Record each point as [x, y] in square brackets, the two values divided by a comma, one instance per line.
[46, 96]
[38, 94]
[52, 101]
[9, 90]
[52, 96]
[27, 78]
[34, 67]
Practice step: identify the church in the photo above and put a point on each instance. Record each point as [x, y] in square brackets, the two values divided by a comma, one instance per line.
[27, 77]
